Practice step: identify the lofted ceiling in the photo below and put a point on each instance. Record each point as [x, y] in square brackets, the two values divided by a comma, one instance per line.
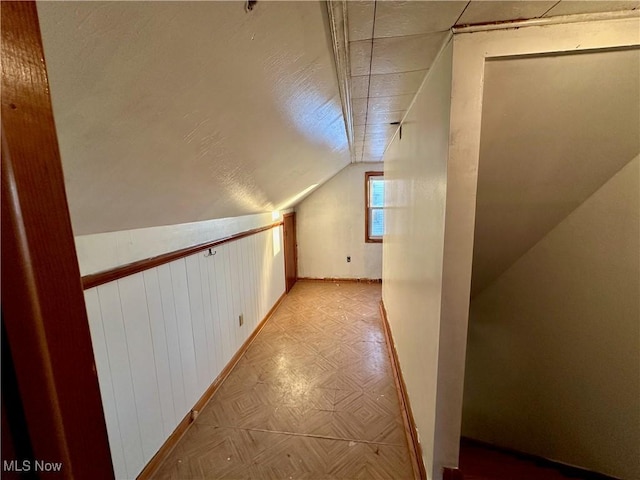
[392, 45]
[554, 129]
[174, 112]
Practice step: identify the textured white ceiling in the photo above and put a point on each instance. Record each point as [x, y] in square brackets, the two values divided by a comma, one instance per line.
[173, 112]
[554, 129]
[393, 44]
[497, 11]
[569, 7]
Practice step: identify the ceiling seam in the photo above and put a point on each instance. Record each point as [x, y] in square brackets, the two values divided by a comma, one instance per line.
[392, 96]
[408, 71]
[462, 13]
[411, 35]
[397, 73]
[366, 115]
[553, 20]
[551, 8]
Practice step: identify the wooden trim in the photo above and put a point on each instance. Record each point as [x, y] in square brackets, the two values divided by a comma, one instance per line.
[367, 217]
[415, 450]
[338, 280]
[290, 263]
[569, 471]
[167, 447]
[42, 300]
[106, 276]
[337, 11]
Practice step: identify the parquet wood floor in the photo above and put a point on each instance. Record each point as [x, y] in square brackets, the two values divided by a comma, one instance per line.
[312, 398]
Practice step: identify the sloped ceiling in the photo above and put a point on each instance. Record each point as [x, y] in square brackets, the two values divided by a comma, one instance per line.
[173, 112]
[554, 129]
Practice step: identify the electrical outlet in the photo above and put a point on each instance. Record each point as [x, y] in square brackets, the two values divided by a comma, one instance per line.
[240, 320]
[348, 259]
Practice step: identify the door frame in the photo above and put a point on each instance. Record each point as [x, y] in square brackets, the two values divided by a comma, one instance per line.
[43, 307]
[290, 280]
[470, 52]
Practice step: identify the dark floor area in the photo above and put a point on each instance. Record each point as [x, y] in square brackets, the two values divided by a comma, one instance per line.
[484, 462]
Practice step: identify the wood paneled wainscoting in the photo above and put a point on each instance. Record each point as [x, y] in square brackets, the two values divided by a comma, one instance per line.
[164, 337]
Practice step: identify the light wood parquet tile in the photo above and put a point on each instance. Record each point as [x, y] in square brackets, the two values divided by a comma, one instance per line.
[313, 397]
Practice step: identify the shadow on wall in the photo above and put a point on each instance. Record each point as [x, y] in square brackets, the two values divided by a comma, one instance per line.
[553, 361]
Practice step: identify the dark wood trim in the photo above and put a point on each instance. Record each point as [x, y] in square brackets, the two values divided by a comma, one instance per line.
[367, 217]
[16, 444]
[452, 474]
[415, 450]
[567, 470]
[42, 300]
[338, 280]
[106, 276]
[290, 247]
[167, 447]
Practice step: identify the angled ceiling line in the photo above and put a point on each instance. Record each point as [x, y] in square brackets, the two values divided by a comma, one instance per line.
[551, 8]
[462, 13]
[543, 21]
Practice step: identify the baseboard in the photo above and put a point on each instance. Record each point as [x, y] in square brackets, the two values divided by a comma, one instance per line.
[167, 447]
[566, 470]
[415, 450]
[338, 280]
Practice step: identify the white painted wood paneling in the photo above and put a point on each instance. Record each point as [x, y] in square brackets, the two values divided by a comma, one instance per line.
[225, 300]
[104, 377]
[197, 322]
[173, 343]
[119, 367]
[160, 349]
[161, 337]
[222, 299]
[140, 349]
[205, 287]
[185, 330]
[235, 284]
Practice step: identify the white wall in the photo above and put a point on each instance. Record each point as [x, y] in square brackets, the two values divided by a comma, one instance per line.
[416, 167]
[331, 226]
[553, 357]
[102, 251]
[162, 336]
[470, 53]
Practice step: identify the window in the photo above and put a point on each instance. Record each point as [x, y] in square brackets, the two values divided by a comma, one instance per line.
[374, 204]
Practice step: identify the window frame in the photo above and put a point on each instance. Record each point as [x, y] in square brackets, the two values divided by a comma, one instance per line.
[367, 209]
